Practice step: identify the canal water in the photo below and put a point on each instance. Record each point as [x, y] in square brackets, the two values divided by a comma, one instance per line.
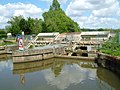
[55, 74]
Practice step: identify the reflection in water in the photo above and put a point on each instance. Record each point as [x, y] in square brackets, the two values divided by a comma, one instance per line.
[4, 57]
[22, 78]
[69, 71]
[57, 67]
[22, 68]
[107, 78]
[57, 74]
[4, 65]
[70, 74]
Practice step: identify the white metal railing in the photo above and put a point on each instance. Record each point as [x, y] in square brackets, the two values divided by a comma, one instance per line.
[31, 42]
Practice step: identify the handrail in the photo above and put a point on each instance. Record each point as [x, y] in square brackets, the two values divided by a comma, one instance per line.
[31, 42]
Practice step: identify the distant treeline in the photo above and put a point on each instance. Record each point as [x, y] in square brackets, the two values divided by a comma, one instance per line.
[3, 33]
[100, 29]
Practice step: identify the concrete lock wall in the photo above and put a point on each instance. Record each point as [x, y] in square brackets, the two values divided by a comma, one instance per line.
[109, 62]
[37, 54]
[47, 56]
[27, 58]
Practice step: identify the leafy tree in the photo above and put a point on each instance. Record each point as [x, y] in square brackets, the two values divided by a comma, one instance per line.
[34, 25]
[29, 25]
[23, 25]
[14, 27]
[37, 28]
[57, 21]
[55, 5]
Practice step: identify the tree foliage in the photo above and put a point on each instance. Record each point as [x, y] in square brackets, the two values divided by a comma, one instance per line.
[57, 21]
[14, 27]
[17, 24]
[55, 5]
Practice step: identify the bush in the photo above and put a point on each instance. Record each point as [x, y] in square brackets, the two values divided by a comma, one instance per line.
[2, 32]
[3, 36]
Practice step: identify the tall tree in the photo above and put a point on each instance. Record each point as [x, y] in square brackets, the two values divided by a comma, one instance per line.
[55, 5]
[57, 21]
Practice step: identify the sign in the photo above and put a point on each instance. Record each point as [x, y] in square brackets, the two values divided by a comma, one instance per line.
[20, 44]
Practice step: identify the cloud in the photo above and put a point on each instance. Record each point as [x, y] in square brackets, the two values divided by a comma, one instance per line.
[46, 0]
[95, 13]
[4, 65]
[60, 1]
[16, 9]
[70, 74]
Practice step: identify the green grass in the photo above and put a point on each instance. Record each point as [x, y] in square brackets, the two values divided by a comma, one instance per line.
[7, 43]
[112, 47]
[111, 52]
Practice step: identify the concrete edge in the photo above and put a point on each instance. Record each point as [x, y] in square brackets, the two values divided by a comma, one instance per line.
[75, 57]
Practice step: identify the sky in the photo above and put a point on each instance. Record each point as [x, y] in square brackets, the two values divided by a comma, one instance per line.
[87, 13]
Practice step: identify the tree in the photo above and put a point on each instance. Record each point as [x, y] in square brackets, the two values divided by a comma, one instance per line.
[14, 27]
[34, 25]
[57, 21]
[17, 24]
[55, 5]
[23, 25]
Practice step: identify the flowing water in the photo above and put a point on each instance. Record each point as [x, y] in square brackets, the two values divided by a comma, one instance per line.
[55, 74]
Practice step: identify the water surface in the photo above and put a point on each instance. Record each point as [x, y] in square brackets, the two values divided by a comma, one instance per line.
[55, 74]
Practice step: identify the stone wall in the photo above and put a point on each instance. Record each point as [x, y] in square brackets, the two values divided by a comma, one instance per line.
[27, 58]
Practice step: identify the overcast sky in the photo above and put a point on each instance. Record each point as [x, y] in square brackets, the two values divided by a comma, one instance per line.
[87, 13]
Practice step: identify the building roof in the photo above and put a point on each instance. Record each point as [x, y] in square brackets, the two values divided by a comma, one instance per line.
[95, 33]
